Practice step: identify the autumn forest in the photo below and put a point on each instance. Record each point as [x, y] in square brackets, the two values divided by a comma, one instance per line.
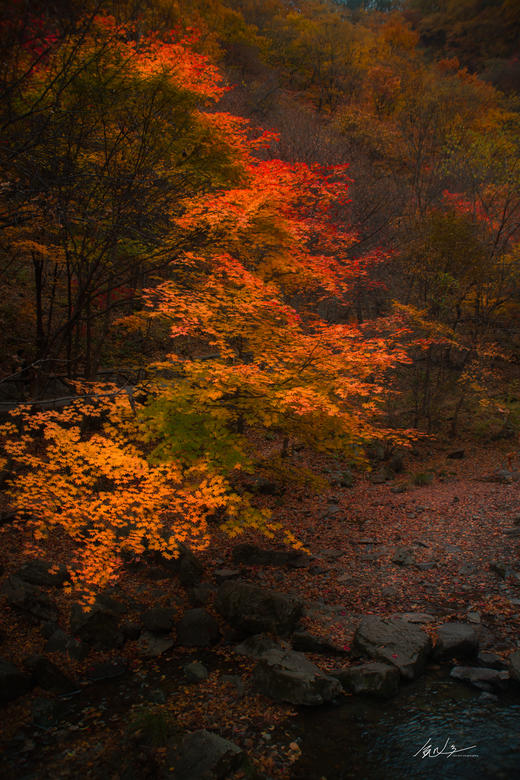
[259, 389]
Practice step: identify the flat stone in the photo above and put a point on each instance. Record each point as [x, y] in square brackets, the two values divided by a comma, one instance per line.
[393, 641]
[491, 660]
[480, 677]
[288, 676]
[456, 640]
[373, 679]
[415, 617]
[307, 643]
[253, 610]
[252, 555]
[151, 645]
[256, 646]
[221, 575]
[514, 666]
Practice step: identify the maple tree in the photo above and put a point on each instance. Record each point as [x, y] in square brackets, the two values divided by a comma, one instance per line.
[114, 139]
[248, 247]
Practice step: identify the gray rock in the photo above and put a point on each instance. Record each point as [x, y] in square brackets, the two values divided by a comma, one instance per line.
[374, 679]
[186, 566]
[501, 569]
[416, 617]
[37, 572]
[151, 645]
[45, 712]
[207, 756]
[480, 677]
[98, 627]
[393, 641]
[46, 675]
[344, 478]
[390, 591]
[252, 555]
[514, 666]
[285, 675]
[29, 599]
[13, 682]
[487, 698]
[195, 671]
[59, 642]
[456, 454]
[159, 620]
[396, 463]
[264, 487]
[253, 610]
[235, 681]
[375, 450]
[221, 575]
[491, 660]
[503, 476]
[197, 628]
[404, 556]
[382, 475]
[305, 642]
[131, 630]
[256, 646]
[200, 594]
[107, 670]
[456, 640]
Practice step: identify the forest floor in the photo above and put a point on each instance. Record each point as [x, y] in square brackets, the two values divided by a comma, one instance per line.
[449, 549]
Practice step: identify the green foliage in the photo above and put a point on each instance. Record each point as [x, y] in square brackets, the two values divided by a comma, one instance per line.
[423, 478]
[183, 432]
[151, 726]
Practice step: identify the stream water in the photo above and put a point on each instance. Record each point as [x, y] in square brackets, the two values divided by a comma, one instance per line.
[396, 740]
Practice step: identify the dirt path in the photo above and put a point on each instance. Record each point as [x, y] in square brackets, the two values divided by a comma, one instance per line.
[451, 548]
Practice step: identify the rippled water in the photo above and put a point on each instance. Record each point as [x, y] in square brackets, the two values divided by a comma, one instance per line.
[382, 741]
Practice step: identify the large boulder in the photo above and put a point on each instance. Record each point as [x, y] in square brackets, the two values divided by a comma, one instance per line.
[207, 756]
[373, 679]
[252, 555]
[288, 676]
[40, 572]
[27, 598]
[13, 682]
[159, 620]
[186, 566]
[256, 646]
[514, 666]
[394, 641]
[306, 642]
[456, 640]
[153, 645]
[46, 675]
[254, 610]
[197, 628]
[97, 627]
